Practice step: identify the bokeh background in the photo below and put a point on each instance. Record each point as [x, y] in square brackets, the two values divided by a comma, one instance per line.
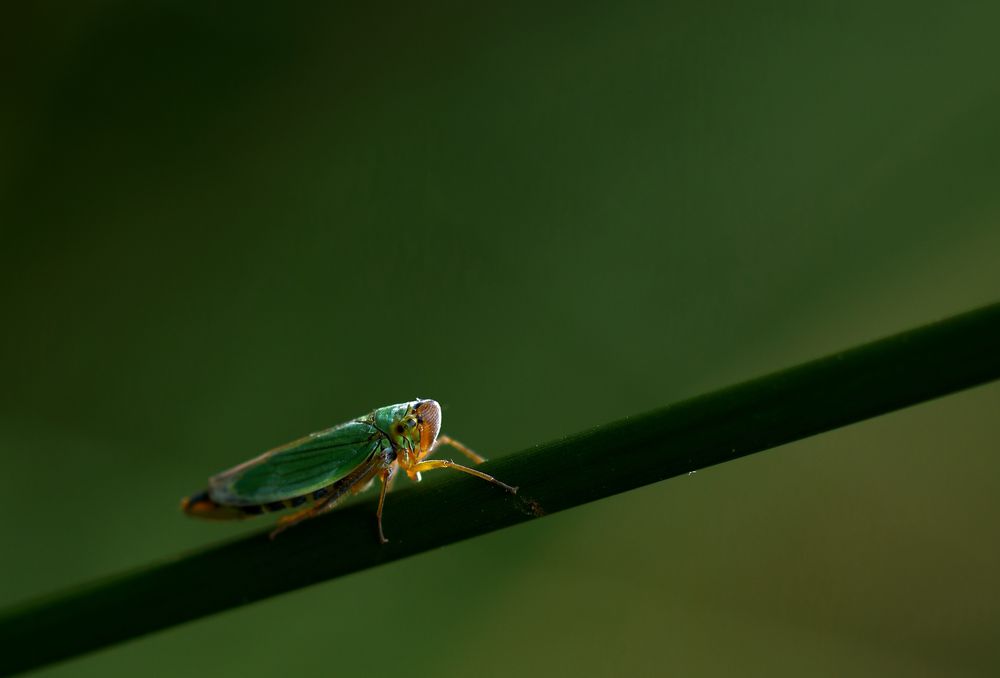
[225, 226]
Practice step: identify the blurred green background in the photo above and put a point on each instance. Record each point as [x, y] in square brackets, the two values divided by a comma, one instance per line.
[226, 226]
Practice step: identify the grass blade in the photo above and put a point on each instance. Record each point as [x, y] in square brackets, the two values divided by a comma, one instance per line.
[843, 388]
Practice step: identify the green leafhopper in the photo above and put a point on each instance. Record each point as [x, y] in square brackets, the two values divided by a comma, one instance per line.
[313, 473]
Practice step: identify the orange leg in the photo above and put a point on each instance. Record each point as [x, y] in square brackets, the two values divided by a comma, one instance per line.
[445, 463]
[284, 522]
[362, 486]
[320, 507]
[451, 442]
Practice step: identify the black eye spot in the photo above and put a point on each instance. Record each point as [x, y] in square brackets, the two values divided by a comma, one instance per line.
[399, 428]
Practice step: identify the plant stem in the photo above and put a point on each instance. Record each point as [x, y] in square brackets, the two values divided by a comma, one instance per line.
[843, 388]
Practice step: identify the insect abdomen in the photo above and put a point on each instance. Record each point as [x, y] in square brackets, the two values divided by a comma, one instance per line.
[203, 506]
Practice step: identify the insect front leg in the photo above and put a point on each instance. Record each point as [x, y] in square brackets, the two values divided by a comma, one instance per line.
[451, 442]
[445, 463]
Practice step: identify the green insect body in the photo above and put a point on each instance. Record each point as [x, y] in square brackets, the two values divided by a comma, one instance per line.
[313, 473]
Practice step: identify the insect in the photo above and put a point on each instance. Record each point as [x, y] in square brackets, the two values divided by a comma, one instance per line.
[315, 472]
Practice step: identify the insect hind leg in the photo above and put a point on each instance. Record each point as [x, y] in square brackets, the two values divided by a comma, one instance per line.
[354, 483]
[284, 522]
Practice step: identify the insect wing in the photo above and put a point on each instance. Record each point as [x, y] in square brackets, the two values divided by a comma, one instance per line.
[300, 467]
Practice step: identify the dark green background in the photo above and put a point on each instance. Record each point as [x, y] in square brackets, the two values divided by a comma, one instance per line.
[225, 227]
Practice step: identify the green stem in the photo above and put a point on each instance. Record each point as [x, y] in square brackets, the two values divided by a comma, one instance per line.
[844, 388]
